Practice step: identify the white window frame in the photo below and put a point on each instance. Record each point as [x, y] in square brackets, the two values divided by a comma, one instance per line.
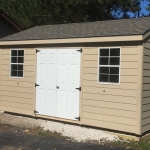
[16, 63]
[108, 65]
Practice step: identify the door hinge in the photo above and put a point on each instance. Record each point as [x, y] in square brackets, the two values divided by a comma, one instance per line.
[78, 118]
[80, 50]
[37, 50]
[36, 85]
[36, 112]
[78, 88]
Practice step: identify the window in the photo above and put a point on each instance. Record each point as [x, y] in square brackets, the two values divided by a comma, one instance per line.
[109, 65]
[17, 60]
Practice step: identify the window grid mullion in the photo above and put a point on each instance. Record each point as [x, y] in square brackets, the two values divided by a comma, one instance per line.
[109, 66]
[17, 64]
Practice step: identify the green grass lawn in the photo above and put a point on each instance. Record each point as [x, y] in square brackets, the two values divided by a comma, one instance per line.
[141, 145]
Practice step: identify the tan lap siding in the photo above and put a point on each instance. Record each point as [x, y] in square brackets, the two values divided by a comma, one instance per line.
[18, 94]
[110, 106]
[146, 89]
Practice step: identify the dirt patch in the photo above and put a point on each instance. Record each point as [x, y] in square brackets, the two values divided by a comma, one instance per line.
[17, 138]
[4, 128]
[37, 131]
[78, 133]
[40, 132]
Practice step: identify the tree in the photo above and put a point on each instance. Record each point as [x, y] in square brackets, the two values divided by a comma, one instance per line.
[30, 13]
[125, 7]
[36, 12]
[59, 11]
[148, 7]
[21, 11]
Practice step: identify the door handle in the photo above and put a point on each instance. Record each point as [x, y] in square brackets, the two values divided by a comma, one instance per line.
[57, 87]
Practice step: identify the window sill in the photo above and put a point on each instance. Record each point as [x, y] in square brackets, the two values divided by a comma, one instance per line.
[107, 83]
[16, 77]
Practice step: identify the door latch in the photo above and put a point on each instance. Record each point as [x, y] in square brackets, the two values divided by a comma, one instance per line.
[57, 87]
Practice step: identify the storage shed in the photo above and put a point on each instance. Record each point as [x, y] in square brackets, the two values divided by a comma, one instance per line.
[92, 73]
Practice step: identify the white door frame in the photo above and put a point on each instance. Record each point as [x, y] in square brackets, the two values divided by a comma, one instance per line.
[79, 76]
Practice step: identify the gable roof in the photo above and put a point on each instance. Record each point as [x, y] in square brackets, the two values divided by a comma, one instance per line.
[11, 23]
[122, 27]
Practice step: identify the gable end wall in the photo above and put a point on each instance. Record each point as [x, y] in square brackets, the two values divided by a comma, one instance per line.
[146, 88]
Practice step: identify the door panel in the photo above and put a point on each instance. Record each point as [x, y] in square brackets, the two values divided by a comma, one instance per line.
[46, 78]
[74, 82]
[58, 68]
[62, 82]
[68, 80]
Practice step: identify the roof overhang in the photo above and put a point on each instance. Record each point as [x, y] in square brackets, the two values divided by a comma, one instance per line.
[146, 34]
[75, 40]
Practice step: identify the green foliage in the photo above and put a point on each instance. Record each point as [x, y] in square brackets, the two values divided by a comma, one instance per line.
[22, 11]
[29, 13]
[58, 11]
[126, 6]
[148, 7]
[141, 145]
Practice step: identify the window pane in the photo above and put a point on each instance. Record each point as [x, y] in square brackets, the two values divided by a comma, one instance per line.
[20, 73]
[103, 78]
[104, 52]
[13, 67]
[104, 70]
[114, 78]
[103, 61]
[20, 59]
[20, 52]
[13, 59]
[115, 52]
[13, 73]
[114, 70]
[13, 52]
[114, 61]
[20, 67]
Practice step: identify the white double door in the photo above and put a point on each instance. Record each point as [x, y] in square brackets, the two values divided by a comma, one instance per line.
[58, 76]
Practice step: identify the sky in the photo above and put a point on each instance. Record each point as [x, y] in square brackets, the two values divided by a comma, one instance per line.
[144, 3]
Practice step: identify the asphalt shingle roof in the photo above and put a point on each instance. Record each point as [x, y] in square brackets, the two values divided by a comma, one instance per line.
[81, 30]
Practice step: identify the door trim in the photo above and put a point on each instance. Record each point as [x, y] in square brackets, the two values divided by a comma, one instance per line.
[80, 77]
